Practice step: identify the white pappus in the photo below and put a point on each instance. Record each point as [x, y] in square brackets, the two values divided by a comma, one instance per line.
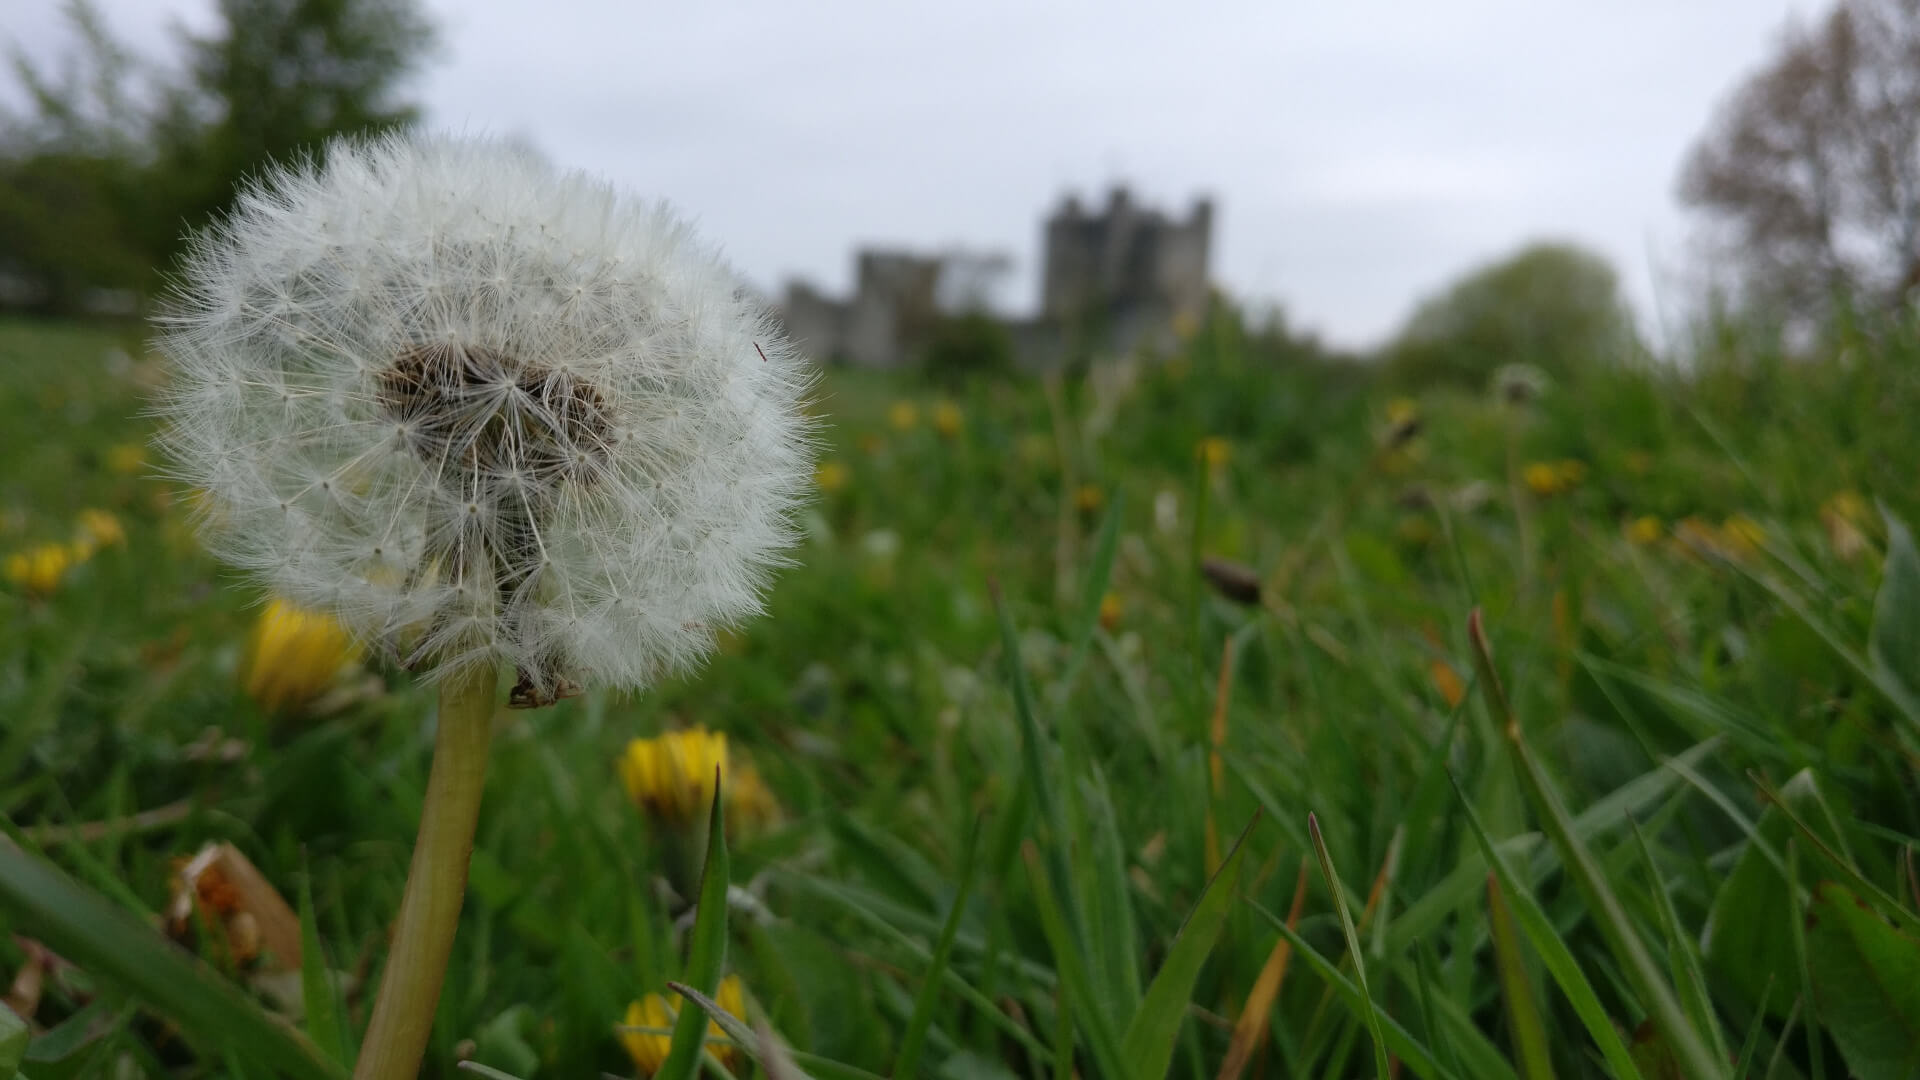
[486, 411]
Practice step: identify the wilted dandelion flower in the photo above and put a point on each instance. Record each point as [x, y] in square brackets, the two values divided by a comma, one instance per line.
[903, 415]
[947, 419]
[486, 411]
[671, 776]
[40, 570]
[1112, 609]
[831, 476]
[649, 1048]
[294, 654]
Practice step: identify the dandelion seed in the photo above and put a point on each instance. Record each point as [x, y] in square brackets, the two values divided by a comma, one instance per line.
[488, 412]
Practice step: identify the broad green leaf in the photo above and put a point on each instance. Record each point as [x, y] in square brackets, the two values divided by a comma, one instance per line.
[14, 1037]
[1895, 641]
[1746, 940]
[707, 952]
[1148, 1042]
[107, 940]
[1866, 982]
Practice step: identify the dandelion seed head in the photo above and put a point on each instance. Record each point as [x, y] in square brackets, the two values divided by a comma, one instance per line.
[486, 411]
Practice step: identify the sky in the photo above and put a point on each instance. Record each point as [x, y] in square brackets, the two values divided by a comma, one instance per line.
[1361, 155]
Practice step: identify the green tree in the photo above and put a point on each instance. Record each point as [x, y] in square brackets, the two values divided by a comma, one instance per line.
[115, 162]
[1554, 306]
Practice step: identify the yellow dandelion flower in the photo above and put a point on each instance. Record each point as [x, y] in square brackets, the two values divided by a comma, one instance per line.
[1035, 448]
[903, 415]
[1645, 530]
[1215, 451]
[1844, 516]
[1111, 610]
[1415, 530]
[947, 419]
[649, 1048]
[751, 807]
[40, 570]
[97, 529]
[671, 776]
[1185, 325]
[294, 655]
[831, 476]
[1402, 410]
[1446, 680]
[1089, 498]
[127, 459]
[1549, 478]
[1742, 536]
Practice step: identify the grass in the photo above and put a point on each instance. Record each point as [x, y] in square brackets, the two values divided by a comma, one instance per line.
[992, 703]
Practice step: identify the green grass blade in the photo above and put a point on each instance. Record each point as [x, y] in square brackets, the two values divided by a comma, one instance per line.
[1369, 1011]
[1099, 574]
[911, 1043]
[1608, 912]
[1408, 1049]
[1554, 952]
[707, 951]
[1523, 1011]
[324, 1023]
[1148, 1042]
[1076, 983]
[108, 941]
[1682, 956]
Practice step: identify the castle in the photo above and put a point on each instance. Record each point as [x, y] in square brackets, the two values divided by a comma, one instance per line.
[1118, 280]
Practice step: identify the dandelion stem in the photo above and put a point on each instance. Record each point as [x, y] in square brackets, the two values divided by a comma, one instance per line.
[436, 881]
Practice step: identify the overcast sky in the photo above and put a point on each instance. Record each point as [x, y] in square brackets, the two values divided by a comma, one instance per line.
[1361, 154]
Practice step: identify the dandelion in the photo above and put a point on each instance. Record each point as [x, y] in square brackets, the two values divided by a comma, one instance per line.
[648, 1031]
[1639, 462]
[294, 654]
[1112, 608]
[1036, 449]
[483, 412]
[947, 420]
[1549, 478]
[1088, 498]
[671, 776]
[903, 415]
[127, 459]
[1742, 536]
[1403, 421]
[831, 476]
[1215, 452]
[1845, 517]
[1644, 530]
[751, 805]
[1518, 384]
[39, 570]
[97, 529]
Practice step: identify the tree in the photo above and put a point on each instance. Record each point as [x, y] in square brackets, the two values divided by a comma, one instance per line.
[1813, 166]
[117, 160]
[1555, 306]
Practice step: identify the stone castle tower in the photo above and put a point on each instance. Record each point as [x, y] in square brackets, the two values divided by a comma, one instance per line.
[1131, 266]
[1130, 276]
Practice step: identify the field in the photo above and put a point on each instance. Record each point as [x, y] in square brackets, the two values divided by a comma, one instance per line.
[1008, 731]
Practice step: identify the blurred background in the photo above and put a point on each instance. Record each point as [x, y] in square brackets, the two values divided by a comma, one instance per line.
[1188, 373]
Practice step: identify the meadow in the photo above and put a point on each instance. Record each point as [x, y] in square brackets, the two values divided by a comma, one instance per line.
[1130, 723]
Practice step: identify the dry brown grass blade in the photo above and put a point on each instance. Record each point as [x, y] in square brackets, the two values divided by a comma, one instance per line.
[1251, 1029]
